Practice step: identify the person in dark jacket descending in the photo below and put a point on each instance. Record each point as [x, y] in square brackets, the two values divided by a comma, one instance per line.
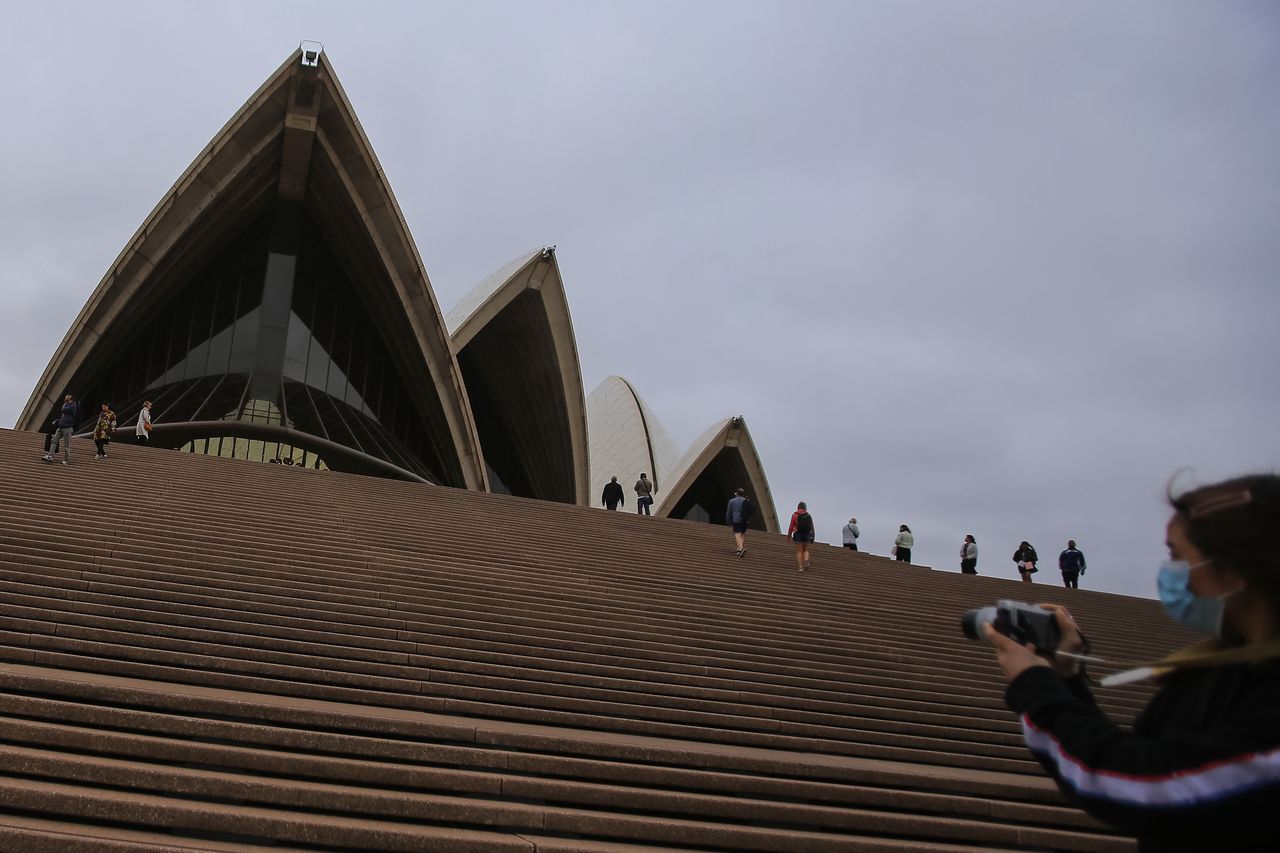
[68, 417]
[1071, 564]
[1200, 769]
[612, 497]
[738, 516]
[1026, 559]
[802, 533]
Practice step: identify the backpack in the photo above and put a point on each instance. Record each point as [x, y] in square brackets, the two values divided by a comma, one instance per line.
[748, 509]
[804, 523]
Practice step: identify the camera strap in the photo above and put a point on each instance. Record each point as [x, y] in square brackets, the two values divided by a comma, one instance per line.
[1207, 653]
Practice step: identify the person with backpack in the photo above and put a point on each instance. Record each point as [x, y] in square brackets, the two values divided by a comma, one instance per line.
[68, 417]
[902, 544]
[1071, 563]
[801, 532]
[738, 516]
[850, 534]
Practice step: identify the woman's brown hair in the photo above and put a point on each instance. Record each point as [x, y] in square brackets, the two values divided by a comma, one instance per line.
[1237, 524]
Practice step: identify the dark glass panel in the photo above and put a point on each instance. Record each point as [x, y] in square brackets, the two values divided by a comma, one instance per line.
[302, 411]
[184, 407]
[225, 400]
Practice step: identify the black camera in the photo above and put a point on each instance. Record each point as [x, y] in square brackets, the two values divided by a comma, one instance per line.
[1021, 622]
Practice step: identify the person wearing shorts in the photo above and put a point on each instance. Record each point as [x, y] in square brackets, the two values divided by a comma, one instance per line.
[802, 533]
[738, 516]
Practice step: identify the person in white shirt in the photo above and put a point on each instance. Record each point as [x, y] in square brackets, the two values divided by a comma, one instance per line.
[902, 544]
[969, 555]
[851, 534]
[142, 432]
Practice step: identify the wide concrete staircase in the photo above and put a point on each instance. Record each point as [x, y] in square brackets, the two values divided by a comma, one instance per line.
[200, 653]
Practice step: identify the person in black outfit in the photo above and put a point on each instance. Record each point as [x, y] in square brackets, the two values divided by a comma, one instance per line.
[612, 495]
[1071, 564]
[1026, 559]
[1200, 769]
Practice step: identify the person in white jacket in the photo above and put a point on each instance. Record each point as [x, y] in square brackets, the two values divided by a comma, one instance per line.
[142, 432]
[902, 544]
[851, 534]
[969, 555]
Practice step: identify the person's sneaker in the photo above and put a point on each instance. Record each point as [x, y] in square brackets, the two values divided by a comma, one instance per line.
[806, 564]
[46, 458]
[65, 462]
[737, 553]
[742, 553]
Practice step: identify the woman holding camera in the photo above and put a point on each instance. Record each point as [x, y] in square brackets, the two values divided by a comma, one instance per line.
[1200, 770]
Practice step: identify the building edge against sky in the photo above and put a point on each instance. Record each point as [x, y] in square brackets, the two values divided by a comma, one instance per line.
[274, 305]
[283, 223]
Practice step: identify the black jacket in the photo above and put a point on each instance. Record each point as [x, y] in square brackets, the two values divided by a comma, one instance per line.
[1199, 771]
[1071, 561]
[1027, 555]
[612, 494]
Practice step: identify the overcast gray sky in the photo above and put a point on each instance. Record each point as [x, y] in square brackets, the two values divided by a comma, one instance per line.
[995, 266]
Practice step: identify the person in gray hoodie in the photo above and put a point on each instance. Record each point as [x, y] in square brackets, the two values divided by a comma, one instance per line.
[851, 534]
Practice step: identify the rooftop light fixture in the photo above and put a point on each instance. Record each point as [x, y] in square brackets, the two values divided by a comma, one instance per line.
[311, 51]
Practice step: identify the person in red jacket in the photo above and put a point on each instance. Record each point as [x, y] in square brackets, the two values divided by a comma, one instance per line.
[801, 532]
[1200, 768]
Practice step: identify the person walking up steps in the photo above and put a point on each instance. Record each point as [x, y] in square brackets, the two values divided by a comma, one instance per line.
[1071, 564]
[969, 555]
[850, 534]
[612, 497]
[738, 516]
[644, 495]
[903, 544]
[801, 532]
[1026, 559]
[103, 430]
[68, 417]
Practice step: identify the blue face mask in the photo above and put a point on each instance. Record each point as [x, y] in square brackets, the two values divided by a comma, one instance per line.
[1183, 605]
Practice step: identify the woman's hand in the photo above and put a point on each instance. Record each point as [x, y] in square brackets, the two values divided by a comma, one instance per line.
[1013, 658]
[1070, 641]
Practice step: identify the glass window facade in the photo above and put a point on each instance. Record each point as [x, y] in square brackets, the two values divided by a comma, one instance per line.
[199, 359]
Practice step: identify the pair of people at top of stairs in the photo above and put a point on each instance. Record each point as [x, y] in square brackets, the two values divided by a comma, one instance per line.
[612, 496]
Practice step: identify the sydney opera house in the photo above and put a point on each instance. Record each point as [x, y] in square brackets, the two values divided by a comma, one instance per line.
[274, 306]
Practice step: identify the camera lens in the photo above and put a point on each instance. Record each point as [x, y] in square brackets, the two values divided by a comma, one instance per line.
[972, 621]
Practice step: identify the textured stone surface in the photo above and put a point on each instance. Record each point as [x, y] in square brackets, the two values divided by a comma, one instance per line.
[260, 655]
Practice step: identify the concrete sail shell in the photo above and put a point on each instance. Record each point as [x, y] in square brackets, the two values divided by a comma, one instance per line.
[626, 439]
[722, 459]
[514, 340]
[296, 145]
